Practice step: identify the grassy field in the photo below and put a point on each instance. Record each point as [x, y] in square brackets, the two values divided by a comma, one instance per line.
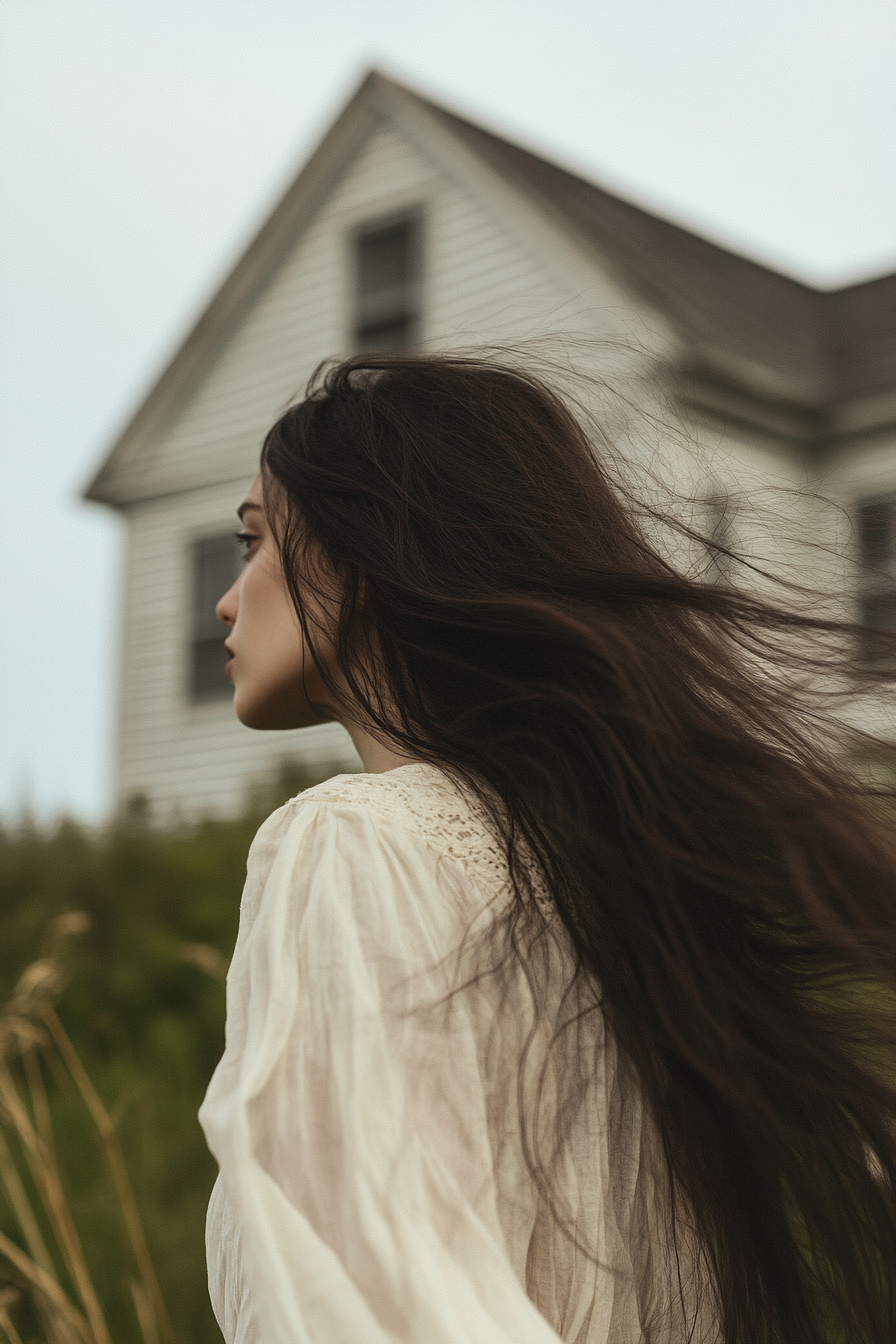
[142, 1000]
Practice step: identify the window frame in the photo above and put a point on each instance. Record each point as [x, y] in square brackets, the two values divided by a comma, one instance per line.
[404, 304]
[203, 630]
[876, 578]
[720, 526]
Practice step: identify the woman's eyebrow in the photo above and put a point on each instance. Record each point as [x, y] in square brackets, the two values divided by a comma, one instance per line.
[246, 507]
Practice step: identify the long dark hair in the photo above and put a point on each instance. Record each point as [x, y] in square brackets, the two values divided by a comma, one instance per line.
[654, 740]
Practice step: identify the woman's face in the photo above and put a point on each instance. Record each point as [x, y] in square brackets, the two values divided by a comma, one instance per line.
[276, 683]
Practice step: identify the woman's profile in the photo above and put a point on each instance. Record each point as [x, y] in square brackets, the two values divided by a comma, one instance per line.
[569, 1018]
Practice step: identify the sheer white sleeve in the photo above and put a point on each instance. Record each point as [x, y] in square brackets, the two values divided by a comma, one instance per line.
[351, 1115]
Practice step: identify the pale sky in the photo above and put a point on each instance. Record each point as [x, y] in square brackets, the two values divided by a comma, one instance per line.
[143, 141]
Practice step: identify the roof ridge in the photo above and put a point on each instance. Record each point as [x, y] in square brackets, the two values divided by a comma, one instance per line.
[740, 320]
[787, 326]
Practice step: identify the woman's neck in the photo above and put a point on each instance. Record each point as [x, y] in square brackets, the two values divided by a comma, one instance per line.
[377, 756]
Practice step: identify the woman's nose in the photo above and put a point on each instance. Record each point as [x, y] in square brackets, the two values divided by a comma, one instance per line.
[227, 606]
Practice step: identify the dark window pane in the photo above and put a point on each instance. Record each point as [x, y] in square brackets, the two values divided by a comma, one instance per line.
[719, 518]
[396, 333]
[877, 531]
[215, 565]
[386, 258]
[208, 679]
[878, 611]
[387, 295]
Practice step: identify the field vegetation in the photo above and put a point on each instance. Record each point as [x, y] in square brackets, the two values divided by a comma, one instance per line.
[113, 951]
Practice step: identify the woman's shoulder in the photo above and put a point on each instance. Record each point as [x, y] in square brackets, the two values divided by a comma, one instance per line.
[418, 801]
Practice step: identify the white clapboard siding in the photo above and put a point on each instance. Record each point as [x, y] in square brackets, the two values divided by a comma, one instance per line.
[866, 467]
[797, 514]
[480, 282]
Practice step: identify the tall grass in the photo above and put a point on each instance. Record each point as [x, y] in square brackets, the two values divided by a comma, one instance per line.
[107, 1041]
[49, 1262]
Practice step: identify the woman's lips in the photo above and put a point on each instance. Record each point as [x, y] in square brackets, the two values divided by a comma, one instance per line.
[230, 661]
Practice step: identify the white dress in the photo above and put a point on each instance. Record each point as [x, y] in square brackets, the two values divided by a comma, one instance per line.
[389, 1076]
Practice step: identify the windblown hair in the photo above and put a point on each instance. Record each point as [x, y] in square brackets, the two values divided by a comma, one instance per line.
[652, 737]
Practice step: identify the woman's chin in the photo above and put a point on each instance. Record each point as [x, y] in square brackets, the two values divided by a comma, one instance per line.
[270, 714]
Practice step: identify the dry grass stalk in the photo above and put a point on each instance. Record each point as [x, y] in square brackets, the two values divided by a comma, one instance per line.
[8, 1298]
[58, 1324]
[49, 1288]
[41, 1158]
[30, 1030]
[149, 1284]
[145, 1315]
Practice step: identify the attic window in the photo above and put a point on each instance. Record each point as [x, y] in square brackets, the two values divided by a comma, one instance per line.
[387, 286]
[876, 520]
[214, 567]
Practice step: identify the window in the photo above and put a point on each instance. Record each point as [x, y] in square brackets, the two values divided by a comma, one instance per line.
[387, 286]
[877, 591]
[215, 565]
[719, 525]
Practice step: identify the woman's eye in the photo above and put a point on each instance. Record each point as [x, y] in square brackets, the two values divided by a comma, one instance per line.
[246, 539]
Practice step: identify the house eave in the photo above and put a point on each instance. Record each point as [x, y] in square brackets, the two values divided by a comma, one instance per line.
[218, 322]
[807, 430]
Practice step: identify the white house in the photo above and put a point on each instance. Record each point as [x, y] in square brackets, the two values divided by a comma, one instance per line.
[410, 224]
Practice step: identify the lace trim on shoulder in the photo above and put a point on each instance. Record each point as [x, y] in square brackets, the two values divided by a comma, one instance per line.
[425, 801]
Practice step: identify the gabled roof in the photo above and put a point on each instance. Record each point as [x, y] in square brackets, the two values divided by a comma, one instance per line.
[809, 346]
[758, 334]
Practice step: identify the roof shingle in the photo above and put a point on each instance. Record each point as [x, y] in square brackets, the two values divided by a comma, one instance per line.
[743, 321]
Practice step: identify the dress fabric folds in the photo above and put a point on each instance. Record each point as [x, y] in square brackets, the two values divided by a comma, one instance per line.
[393, 1074]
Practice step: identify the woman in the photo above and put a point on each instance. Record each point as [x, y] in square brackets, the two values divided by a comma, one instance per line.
[566, 1019]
